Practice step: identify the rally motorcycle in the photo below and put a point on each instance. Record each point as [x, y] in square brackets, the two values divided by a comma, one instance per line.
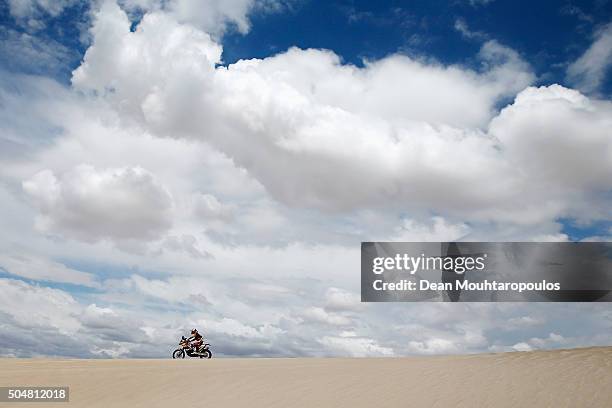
[187, 349]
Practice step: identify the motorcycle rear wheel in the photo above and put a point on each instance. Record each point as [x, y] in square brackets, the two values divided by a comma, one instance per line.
[178, 353]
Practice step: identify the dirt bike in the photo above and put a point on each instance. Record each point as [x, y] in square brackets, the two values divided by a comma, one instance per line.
[186, 349]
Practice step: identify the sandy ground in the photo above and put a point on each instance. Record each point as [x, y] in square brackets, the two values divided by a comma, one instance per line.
[563, 378]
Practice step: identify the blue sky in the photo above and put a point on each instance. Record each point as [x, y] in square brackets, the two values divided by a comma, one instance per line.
[170, 164]
[547, 32]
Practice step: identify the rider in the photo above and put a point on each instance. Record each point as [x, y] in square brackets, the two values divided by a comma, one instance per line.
[196, 339]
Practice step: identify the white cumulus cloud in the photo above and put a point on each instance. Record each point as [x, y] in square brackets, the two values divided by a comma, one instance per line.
[93, 204]
[39, 268]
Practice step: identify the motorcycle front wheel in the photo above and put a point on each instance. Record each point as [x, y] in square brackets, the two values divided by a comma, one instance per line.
[178, 353]
[207, 354]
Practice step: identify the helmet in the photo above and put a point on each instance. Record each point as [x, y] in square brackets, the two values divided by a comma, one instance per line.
[193, 331]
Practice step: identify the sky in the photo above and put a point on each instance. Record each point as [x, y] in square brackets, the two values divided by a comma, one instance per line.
[216, 164]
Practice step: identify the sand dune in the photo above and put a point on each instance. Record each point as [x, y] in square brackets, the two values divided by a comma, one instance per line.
[562, 378]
